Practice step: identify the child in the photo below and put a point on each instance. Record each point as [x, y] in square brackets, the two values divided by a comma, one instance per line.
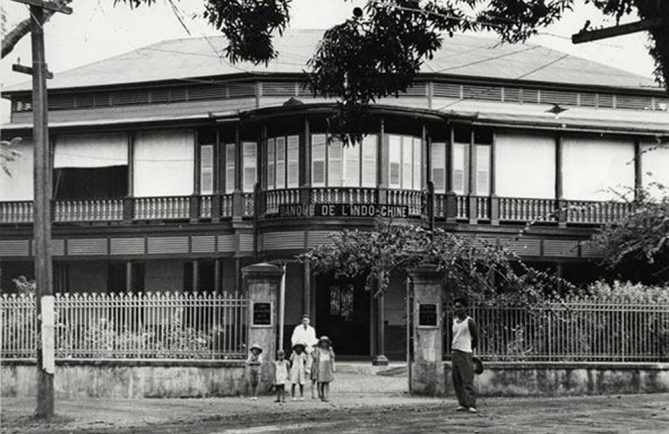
[326, 367]
[298, 361]
[253, 363]
[280, 376]
[311, 369]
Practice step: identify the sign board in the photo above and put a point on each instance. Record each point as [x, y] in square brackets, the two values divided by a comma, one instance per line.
[48, 338]
[427, 315]
[344, 210]
[262, 314]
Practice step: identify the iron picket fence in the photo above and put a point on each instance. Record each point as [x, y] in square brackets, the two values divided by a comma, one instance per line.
[159, 325]
[594, 331]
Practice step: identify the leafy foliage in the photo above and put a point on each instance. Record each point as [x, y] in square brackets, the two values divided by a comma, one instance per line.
[637, 246]
[469, 265]
[8, 153]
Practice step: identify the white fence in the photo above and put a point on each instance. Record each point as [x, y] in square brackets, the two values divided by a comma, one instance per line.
[165, 325]
[613, 332]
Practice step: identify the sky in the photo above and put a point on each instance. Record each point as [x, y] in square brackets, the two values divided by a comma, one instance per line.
[97, 30]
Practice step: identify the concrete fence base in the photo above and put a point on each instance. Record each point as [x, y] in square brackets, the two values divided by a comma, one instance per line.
[564, 379]
[128, 379]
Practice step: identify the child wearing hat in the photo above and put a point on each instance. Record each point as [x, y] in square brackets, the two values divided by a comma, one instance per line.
[311, 369]
[298, 361]
[253, 363]
[280, 376]
[326, 366]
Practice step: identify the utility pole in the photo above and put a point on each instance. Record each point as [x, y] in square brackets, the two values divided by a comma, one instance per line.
[42, 208]
[619, 30]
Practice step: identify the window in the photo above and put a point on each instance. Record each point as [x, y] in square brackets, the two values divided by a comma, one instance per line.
[439, 167]
[394, 161]
[369, 144]
[229, 168]
[417, 164]
[207, 169]
[293, 152]
[341, 302]
[270, 164]
[405, 162]
[482, 170]
[350, 166]
[318, 160]
[460, 168]
[249, 166]
[281, 162]
[335, 163]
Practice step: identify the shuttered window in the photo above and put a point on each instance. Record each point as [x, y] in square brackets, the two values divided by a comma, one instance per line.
[281, 162]
[482, 170]
[369, 144]
[460, 168]
[229, 168]
[335, 163]
[207, 169]
[417, 164]
[439, 167]
[318, 160]
[394, 161]
[352, 166]
[249, 166]
[270, 164]
[293, 152]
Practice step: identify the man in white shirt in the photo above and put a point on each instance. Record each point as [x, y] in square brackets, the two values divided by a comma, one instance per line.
[304, 334]
[465, 337]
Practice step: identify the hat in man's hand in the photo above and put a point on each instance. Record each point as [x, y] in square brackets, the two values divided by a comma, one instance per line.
[478, 365]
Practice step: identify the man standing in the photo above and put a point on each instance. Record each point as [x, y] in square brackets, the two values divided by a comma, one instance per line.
[304, 334]
[465, 339]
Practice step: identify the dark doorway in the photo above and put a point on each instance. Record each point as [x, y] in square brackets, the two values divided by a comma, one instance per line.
[342, 313]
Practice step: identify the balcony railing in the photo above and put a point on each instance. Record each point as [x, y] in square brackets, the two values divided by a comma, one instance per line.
[449, 207]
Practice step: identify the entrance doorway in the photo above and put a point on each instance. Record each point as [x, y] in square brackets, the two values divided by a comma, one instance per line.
[342, 313]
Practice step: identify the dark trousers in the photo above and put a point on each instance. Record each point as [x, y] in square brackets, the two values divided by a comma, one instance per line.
[462, 369]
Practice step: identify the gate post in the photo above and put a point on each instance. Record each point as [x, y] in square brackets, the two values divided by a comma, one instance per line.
[262, 285]
[427, 376]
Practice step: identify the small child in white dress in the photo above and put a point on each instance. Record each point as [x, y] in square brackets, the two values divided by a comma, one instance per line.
[281, 369]
[298, 370]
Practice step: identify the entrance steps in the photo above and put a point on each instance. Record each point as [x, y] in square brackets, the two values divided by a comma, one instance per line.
[393, 369]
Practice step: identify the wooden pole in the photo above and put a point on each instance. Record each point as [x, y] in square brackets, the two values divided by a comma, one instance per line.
[42, 223]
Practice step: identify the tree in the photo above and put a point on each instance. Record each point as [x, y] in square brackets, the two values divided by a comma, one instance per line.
[636, 247]
[470, 266]
[8, 153]
[379, 50]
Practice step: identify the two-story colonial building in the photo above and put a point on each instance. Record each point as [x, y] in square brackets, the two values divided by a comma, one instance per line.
[172, 169]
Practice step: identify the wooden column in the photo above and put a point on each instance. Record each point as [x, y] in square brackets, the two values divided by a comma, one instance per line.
[196, 275]
[450, 199]
[638, 169]
[217, 275]
[128, 277]
[473, 205]
[128, 203]
[561, 204]
[380, 358]
[305, 164]
[382, 156]
[494, 200]
[238, 275]
[217, 191]
[306, 288]
[237, 198]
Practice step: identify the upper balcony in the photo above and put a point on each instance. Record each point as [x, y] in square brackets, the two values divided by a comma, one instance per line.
[324, 203]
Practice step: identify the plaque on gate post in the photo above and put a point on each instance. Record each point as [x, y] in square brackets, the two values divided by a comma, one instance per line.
[262, 314]
[428, 315]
